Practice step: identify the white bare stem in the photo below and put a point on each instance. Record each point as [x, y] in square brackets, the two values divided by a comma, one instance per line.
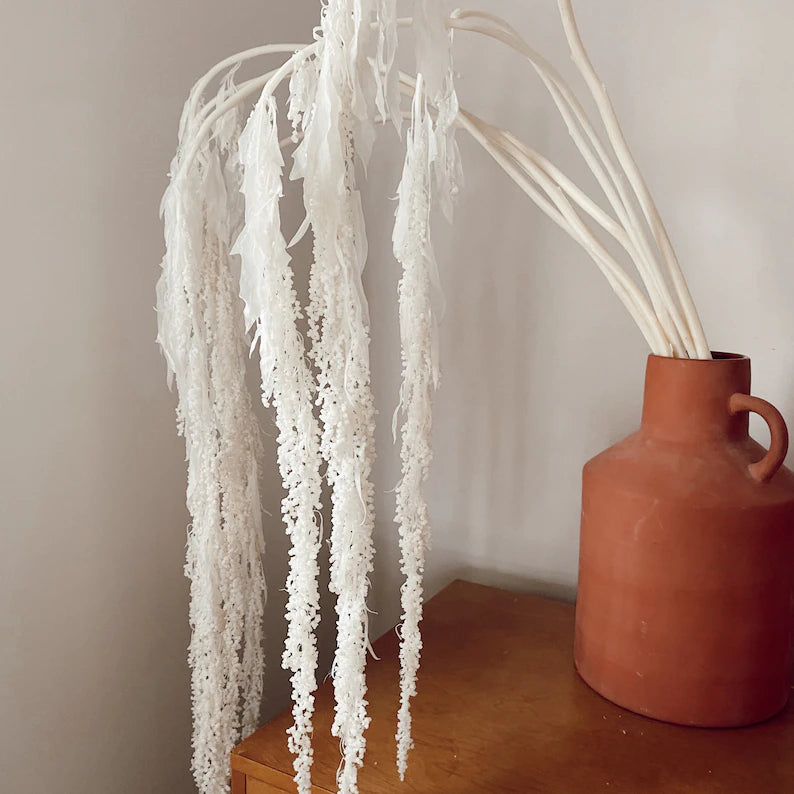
[628, 230]
[572, 190]
[238, 58]
[267, 82]
[595, 155]
[559, 209]
[231, 62]
[566, 217]
[533, 160]
[627, 162]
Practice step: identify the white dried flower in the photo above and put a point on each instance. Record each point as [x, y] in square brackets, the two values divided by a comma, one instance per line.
[272, 309]
[418, 332]
[202, 339]
[339, 334]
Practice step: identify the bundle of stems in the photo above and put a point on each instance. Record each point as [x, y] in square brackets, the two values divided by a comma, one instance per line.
[660, 303]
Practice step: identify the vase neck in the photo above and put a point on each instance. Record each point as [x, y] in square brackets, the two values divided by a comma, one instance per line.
[687, 399]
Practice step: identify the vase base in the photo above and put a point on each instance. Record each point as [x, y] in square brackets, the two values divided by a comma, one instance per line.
[724, 721]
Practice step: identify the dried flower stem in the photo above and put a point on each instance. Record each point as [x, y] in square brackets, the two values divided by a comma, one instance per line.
[618, 141]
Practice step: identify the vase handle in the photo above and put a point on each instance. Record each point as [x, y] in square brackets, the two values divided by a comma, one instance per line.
[764, 469]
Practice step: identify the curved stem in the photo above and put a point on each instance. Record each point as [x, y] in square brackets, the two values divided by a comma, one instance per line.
[562, 213]
[617, 277]
[568, 105]
[200, 86]
[521, 152]
[629, 165]
[238, 58]
[515, 157]
[267, 82]
[595, 155]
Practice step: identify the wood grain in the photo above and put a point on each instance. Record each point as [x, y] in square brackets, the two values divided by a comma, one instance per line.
[500, 710]
[238, 782]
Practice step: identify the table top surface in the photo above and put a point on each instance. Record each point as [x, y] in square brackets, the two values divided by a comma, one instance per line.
[501, 710]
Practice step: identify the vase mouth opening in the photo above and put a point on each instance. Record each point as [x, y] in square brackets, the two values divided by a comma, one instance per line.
[717, 356]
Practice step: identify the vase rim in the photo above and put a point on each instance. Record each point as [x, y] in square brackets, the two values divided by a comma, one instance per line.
[718, 356]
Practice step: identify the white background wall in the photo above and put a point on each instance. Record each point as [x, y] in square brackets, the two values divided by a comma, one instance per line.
[542, 368]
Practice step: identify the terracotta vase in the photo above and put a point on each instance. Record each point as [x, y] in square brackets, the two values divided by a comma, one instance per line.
[685, 607]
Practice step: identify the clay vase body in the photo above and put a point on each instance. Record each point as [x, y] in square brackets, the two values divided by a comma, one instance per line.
[686, 566]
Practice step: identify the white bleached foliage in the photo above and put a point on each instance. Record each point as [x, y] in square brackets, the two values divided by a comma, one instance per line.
[201, 335]
[339, 334]
[418, 317]
[272, 309]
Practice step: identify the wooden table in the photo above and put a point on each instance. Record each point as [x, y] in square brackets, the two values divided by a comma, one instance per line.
[501, 709]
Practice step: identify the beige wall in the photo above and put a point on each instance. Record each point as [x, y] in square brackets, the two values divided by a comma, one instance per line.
[541, 367]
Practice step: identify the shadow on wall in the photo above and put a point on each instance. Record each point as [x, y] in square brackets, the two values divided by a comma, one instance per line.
[526, 398]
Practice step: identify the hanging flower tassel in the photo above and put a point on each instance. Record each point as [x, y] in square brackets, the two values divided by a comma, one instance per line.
[242, 583]
[339, 334]
[418, 336]
[272, 309]
[432, 172]
[202, 341]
